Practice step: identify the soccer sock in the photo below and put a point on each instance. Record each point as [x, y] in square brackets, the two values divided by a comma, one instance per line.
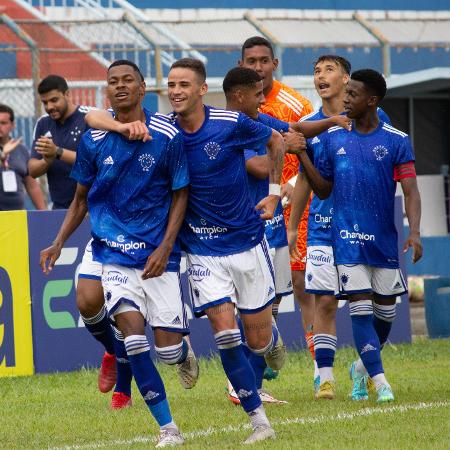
[258, 364]
[100, 328]
[365, 336]
[316, 370]
[124, 373]
[383, 317]
[148, 379]
[173, 354]
[380, 380]
[325, 349]
[309, 336]
[237, 368]
[275, 308]
[258, 417]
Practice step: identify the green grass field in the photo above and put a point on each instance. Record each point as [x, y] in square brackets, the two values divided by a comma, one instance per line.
[66, 410]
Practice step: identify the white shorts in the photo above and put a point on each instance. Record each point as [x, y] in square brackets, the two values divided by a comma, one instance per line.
[246, 279]
[89, 268]
[321, 276]
[282, 269]
[360, 278]
[158, 299]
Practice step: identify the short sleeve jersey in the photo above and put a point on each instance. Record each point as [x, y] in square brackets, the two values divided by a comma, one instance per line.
[16, 162]
[275, 229]
[362, 169]
[221, 218]
[66, 135]
[321, 211]
[130, 195]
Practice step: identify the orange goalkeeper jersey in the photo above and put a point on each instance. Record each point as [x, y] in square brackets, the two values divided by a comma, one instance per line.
[284, 103]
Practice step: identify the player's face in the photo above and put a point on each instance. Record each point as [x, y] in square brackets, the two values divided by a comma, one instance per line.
[125, 89]
[185, 90]
[250, 99]
[329, 79]
[6, 126]
[357, 99]
[260, 59]
[56, 103]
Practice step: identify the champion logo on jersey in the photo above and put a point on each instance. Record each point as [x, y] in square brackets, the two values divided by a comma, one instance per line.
[150, 395]
[244, 394]
[367, 348]
[341, 151]
[176, 321]
[315, 140]
[108, 160]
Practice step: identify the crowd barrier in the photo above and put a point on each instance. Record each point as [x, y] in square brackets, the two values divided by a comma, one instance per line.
[40, 327]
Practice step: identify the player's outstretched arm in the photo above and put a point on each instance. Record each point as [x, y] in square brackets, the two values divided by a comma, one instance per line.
[157, 261]
[258, 166]
[275, 153]
[413, 212]
[74, 216]
[314, 127]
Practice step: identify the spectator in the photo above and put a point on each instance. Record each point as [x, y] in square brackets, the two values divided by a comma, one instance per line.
[56, 138]
[14, 158]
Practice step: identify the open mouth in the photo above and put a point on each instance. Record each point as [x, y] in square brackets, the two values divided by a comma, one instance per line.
[121, 95]
[323, 86]
[177, 100]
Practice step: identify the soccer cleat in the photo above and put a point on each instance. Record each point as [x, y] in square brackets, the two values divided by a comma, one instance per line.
[385, 394]
[232, 396]
[269, 398]
[316, 384]
[120, 400]
[169, 438]
[188, 370]
[270, 374]
[276, 358]
[261, 433]
[359, 390]
[107, 374]
[326, 391]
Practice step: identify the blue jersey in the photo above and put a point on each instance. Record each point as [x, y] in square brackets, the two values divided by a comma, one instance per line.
[361, 167]
[275, 228]
[221, 218]
[131, 184]
[321, 211]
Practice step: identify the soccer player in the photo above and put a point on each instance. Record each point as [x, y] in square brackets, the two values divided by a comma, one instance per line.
[284, 103]
[362, 167]
[137, 193]
[331, 75]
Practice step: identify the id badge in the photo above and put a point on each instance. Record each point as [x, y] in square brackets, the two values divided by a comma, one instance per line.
[9, 181]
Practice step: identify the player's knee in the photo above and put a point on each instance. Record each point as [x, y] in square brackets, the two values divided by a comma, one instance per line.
[326, 308]
[89, 300]
[173, 354]
[259, 345]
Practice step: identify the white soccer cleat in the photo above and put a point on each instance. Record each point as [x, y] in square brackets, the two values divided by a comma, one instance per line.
[260, 433]
[169, 438]
[188, 370]
[268, 398]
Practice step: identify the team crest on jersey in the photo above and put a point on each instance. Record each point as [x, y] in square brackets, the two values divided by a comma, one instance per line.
[380, 152]
[212, 149]
[146, 161]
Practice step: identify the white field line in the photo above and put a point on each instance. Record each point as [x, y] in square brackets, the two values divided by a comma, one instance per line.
[344, 416]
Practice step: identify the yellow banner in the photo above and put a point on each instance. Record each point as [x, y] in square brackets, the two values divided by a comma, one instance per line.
[16, 340]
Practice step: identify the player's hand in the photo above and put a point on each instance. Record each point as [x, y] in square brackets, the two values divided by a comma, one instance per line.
[267, 206]
[46, 147]
[292, 236]
[286, 194]
[414, 242]
[11, 145]
[342, 121]
[135, 131]
[294, 142]
[157, 262]
[48, 258]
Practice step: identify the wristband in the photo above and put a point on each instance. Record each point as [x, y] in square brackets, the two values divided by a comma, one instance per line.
[59, 152]
[274, 189]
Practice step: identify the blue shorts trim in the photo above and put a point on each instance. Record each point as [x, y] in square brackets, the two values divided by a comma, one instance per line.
[118, 303]
[257, 310]
[183, 331]
[283, 294]
[360, 291]
[318, 292]
[89, 277]
[392, 295]
[199, 311]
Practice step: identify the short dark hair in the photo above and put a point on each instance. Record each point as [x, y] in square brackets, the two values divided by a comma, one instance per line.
[53, 82]
[372, 80]
[339, 60]
[192, 64]
[257, 40]
[240, 76]
[8, 110]
[126, 62]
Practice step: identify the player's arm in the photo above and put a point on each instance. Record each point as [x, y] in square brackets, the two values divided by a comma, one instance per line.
[49, 151]
[408, 182]
[74, 216]
[103, 120]
[157, 261]
[314, 127]
[35, 192]
[258, 166]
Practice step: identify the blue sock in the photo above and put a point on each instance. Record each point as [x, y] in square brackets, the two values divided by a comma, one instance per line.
[100, 328]
[124, 373]
[147, 378]
[237, 368]
[365, 336]
[383, 317]
[324, 349]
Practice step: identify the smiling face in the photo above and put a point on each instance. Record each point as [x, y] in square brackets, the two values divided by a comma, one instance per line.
[56, 104]
[125, 89]
[330, 79]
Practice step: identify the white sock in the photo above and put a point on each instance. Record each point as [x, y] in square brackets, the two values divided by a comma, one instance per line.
[170, 426]
[258, 417]
[359, 367]
[316, 370]
[326, 374]
[379, 380]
